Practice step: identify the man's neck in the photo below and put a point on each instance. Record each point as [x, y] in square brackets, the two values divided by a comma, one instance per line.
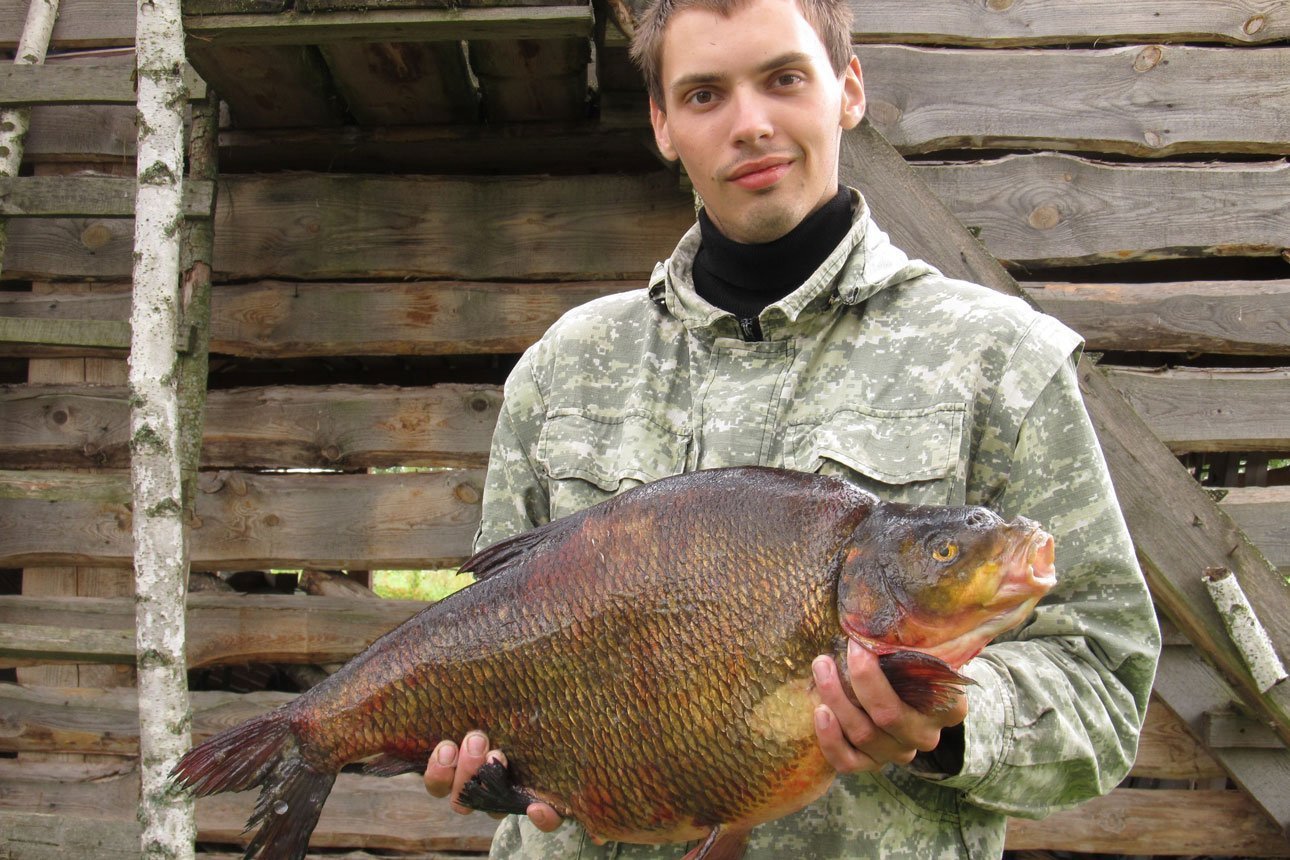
[745, 279]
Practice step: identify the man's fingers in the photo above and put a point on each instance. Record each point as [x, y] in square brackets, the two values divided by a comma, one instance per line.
[441, 769]
[471, 757]
[853, 724]
[544, 817]
[837, 750]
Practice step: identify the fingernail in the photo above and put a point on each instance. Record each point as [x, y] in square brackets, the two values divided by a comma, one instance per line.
[447, 753]
[823, 716]
[820, 666]
[855, 651]
[476, 744]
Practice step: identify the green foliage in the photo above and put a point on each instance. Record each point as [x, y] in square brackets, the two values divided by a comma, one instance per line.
[419, 584]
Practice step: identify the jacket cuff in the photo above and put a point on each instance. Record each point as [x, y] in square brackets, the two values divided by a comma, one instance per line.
[987, 732]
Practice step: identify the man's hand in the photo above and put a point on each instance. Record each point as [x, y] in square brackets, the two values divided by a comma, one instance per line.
[884, 729]
[451, 767]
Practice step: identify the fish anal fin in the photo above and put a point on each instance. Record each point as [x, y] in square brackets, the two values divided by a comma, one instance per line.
[392, 765]
[721, 844]
[925, 683]
[491, 790]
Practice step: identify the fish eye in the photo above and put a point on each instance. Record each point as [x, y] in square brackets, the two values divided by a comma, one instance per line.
[946, 551]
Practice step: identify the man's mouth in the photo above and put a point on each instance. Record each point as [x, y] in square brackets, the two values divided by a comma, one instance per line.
[762, 173]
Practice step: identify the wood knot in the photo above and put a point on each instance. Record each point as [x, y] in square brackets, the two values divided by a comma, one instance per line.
[331, 453]
[1045, 217]
[478, 403]
[998, 5]
[1153, 139]
[58, 416]
[1148, 58]
[883, 113]
[1255, 24]
[467, 493]
[95, 236]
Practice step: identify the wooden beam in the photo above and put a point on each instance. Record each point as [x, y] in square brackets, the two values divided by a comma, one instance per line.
[390, 25]
[65, 83]
[1227, 317]
[1151, 101]
[88, 197]
[222, 629]
[1177, 541]
[251, 521]
[81, 24]
[1200, 409]
[1263, 513]
[1041, 210]
[96, 334]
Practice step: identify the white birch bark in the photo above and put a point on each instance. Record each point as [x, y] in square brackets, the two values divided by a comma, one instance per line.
[1248, 634]
[160, 547]
[14, 122]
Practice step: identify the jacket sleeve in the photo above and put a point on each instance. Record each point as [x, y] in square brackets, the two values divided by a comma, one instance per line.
[1055, 715]
[515, 489]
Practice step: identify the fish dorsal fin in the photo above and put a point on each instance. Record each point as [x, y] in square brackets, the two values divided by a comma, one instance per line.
[495, 558]
[721, 844]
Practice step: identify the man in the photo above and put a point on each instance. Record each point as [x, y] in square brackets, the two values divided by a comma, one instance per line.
[785, 330]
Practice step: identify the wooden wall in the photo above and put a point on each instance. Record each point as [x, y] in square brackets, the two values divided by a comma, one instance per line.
[381, 261]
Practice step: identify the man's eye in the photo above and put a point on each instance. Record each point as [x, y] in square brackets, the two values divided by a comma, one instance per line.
[702, 97]
[788, 79]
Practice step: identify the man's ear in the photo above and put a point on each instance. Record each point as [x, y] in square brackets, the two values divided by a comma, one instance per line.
[853, 101]
[658, 120]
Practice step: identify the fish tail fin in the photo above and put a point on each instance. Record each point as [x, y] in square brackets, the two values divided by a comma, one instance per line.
[925, 683]
[262, 751]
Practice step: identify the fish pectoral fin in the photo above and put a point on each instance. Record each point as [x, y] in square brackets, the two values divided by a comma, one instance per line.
[721, 844]
[491, 790]
[392, 765]
[925, 683]
[501, 555]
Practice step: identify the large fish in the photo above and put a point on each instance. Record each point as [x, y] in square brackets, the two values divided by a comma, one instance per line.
[646, 663]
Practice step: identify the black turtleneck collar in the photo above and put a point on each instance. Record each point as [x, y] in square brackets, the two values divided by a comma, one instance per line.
[746, 279]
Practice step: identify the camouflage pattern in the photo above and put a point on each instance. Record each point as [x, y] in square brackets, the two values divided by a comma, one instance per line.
[914, 386]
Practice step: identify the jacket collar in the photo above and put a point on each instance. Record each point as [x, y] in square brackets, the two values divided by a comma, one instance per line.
[863, 263]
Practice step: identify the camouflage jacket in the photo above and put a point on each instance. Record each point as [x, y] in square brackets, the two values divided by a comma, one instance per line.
[918, 388]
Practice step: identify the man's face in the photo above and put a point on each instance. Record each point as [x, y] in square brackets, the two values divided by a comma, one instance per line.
[755, 113]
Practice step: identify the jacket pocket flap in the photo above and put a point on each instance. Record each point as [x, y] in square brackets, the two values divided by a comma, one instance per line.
[895, 446]
[607, 451]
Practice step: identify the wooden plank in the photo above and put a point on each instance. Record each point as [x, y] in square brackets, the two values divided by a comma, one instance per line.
[1200, 409]
[403, 83]
[91, 83]
[532, 79]
[268, 86]
[391, 25]
[1194, 690]
[505, 148]
[80, 24]
[318, 227]
[1263, 513]
[81, 133]
[1228, 729]
[1058, 209]
[36, 835]
[87, 196]
[222, 628]
[1167, 750]
[276, 319]
[392, 814]
[998, 23]
[252, 521]
[340, 426]
[1152, 100]
[1226, 317]
[1154, 821]
[1059, 22]
[97, 334]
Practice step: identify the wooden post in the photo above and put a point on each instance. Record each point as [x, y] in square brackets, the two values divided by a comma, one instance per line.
[36, 35]
[160, 539]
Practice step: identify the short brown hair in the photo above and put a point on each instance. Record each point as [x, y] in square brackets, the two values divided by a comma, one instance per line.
[831, 20]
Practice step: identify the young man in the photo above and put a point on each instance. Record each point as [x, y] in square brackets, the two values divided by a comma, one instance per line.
[785, 330]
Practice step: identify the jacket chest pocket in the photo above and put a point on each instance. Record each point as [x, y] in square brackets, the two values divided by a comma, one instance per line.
[589, 459]
[903, 455]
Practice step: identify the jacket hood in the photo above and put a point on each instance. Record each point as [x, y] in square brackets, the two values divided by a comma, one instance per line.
[863, 263]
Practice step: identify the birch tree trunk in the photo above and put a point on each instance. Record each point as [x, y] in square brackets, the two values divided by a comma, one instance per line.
[160, 541]
[14, 122]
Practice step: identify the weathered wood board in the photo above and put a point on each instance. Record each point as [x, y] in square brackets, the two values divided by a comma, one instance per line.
[1152, 100]
[1227, 317]
[251, 521]
[1058, 209]
[270, 85]
[1193, 409]
[403, 83]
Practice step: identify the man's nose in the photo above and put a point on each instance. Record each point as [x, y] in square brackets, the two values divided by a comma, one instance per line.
[751, 121]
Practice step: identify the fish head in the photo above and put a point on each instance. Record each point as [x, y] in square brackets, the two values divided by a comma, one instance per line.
[943, 580]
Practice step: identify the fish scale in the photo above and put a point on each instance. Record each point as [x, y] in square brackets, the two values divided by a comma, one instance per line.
[645, 664]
